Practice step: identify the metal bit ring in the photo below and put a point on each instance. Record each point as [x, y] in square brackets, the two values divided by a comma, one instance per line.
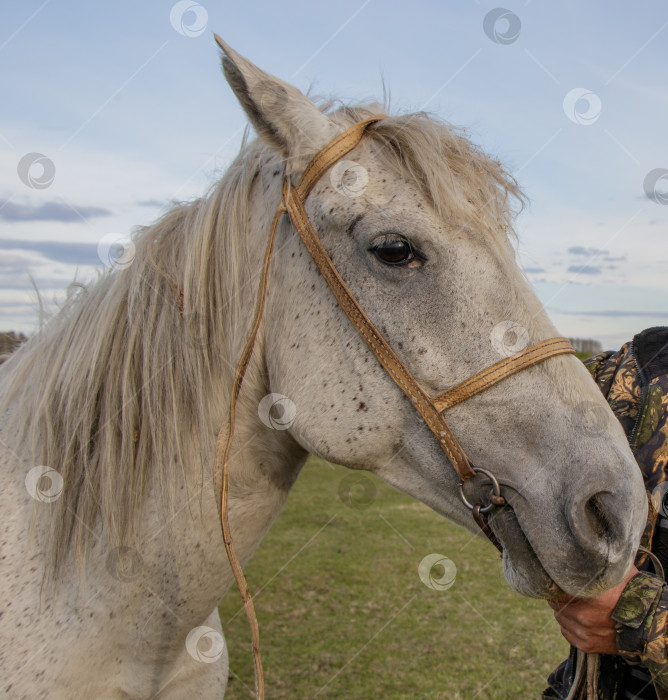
[496, 499]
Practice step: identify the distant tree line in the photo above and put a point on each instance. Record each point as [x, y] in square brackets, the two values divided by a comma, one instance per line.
[587, 345]
[9, 341]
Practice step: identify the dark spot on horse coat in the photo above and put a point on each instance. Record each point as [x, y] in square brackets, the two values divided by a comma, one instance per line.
[354, 223]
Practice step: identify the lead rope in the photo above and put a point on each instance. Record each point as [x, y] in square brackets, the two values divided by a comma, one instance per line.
[221, 461]
[587, 668]
[593, 667]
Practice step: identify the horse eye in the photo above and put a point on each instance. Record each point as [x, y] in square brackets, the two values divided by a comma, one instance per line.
[393, 250]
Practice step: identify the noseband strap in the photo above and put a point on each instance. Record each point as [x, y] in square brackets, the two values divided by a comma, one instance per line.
[500, 370]
[429, 408]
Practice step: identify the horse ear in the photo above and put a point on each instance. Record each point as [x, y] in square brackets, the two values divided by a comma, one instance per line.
[280, 113]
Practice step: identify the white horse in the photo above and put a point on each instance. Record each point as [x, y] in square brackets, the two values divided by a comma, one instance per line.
[112, 557]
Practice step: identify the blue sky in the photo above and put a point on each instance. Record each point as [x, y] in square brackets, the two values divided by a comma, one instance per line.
[134, 113]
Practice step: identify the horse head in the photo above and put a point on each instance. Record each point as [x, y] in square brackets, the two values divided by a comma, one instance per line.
[418, 222]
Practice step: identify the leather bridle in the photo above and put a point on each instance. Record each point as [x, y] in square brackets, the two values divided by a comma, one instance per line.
[431, 409]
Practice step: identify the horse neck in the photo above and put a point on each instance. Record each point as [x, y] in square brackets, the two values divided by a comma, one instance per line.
[181, 531]
[263, 467]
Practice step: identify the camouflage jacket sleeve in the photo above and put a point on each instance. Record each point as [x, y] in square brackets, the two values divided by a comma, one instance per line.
[635, 383]
[642, 634]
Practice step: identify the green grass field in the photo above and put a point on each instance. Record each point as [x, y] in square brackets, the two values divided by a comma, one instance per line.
[344, 614]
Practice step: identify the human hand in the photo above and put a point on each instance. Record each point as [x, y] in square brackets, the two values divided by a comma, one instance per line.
[586, 622]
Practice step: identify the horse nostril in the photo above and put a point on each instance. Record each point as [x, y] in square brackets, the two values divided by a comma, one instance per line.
[597, 523]
[597, 516]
